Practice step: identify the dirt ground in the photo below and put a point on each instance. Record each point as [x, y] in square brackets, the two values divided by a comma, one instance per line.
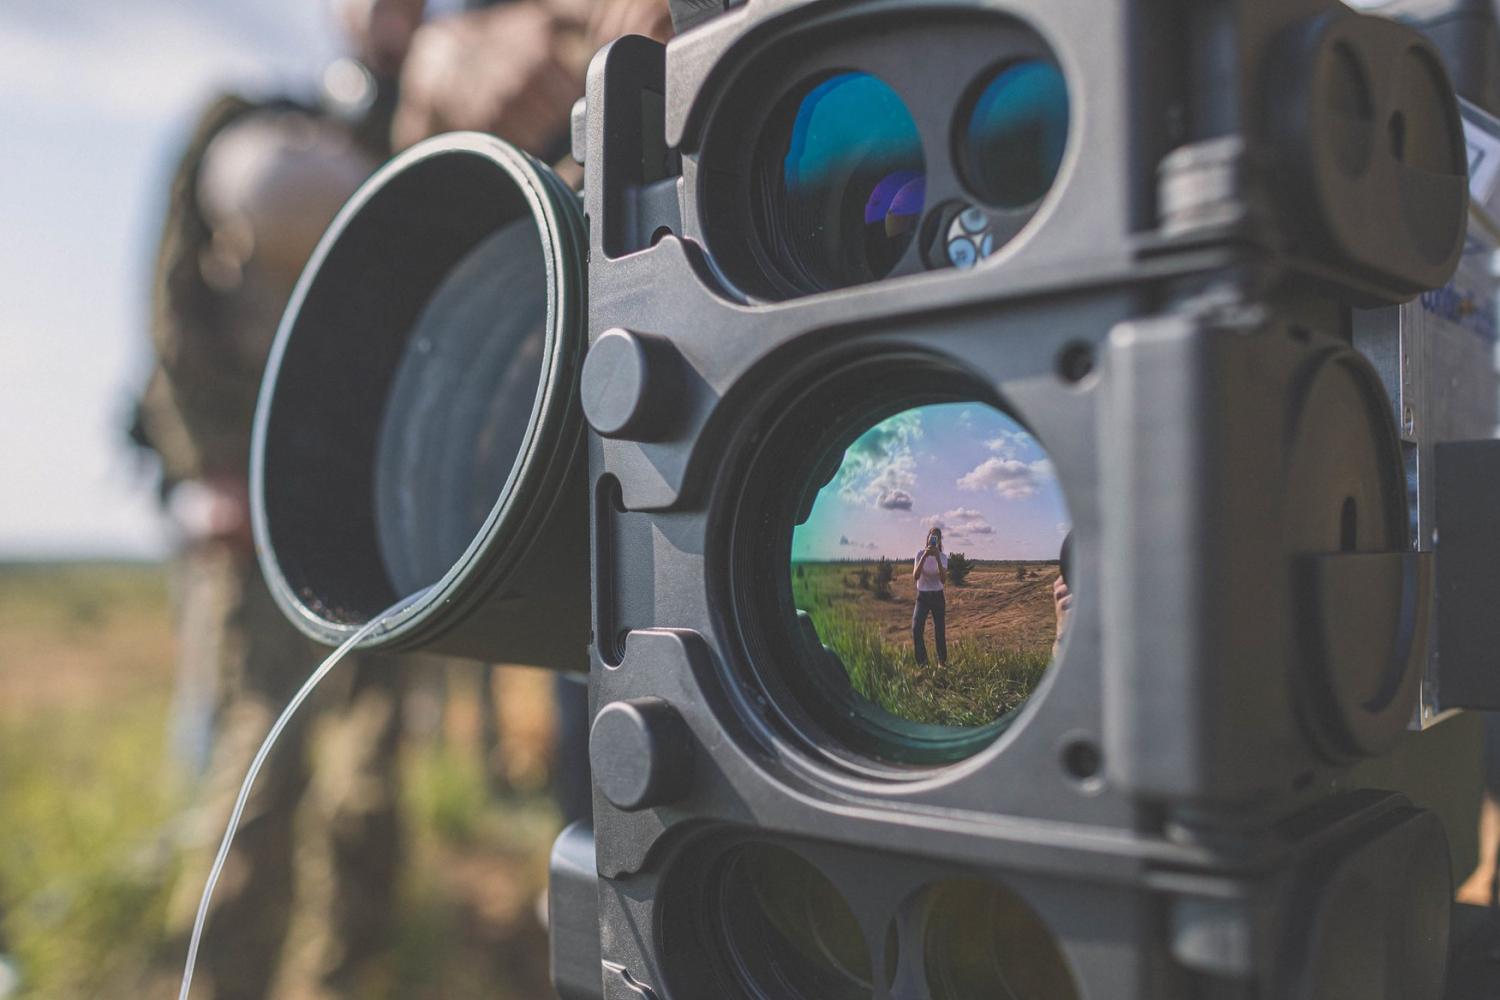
[993, 607]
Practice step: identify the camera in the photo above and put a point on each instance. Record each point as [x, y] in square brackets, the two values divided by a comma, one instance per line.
[1159, 298]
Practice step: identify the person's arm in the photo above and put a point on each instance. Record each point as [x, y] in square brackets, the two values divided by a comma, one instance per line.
[943, 570]
[916, 573]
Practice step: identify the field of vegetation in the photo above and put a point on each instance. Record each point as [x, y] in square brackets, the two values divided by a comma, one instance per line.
[89, 795]
[1000, 627]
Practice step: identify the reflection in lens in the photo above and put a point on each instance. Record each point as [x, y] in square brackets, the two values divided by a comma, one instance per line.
[1012, 144]
[788, 928]
[984, 941]
[459, 406]
[924, 571]
[847, 181]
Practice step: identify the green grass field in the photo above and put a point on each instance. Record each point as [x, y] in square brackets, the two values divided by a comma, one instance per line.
[88, 796]
[995, 660]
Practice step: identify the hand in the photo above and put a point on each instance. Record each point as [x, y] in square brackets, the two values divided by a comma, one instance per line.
[1062, 602]
[1476, 890]
[611, 19]
[505, 70]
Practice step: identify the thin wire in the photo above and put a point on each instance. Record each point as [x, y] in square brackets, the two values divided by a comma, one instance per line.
[375, 625]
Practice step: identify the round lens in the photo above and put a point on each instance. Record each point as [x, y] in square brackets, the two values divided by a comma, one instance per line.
[984, 941]
[1012, 141]
[845, 180]
[788, 930]
[927, 578]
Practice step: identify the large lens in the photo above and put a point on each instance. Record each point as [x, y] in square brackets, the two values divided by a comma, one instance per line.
[418, 431]
[1012, 138]
[787, 930]
[984, 941]
[845, 181]
[925, 573]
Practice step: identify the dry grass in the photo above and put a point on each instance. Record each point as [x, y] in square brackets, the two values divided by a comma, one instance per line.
[999, 627]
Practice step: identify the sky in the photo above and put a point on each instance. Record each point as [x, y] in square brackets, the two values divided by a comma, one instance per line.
[964, 467]
[95, 98]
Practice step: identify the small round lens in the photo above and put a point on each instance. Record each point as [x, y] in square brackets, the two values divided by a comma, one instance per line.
[984, 941]
[788, 929]
[926, 577]
[845, 180]
[1012, 141]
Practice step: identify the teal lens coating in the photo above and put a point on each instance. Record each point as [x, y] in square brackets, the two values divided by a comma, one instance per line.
[1012, 142]
[846, 181]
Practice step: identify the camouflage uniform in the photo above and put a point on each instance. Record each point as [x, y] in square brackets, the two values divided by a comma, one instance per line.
[256, 186]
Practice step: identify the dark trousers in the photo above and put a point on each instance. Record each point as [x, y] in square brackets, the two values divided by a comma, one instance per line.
[930, 602]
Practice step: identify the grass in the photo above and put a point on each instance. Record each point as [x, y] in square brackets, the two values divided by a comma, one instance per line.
[83, 800]
[979, 683]
[87, 800]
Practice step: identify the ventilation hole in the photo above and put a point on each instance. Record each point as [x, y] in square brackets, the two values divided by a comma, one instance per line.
[1082, 759]
[1348, 525]
[1075, 362]
[661, 233]
[1398, 136]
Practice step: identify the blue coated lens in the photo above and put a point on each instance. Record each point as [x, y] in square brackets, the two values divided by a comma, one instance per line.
[847, 182]
[1012, 143]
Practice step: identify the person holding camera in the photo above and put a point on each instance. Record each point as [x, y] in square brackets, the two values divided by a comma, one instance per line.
[931, 575]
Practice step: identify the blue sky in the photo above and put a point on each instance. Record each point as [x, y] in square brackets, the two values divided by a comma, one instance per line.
[94, 97]
[964, 466]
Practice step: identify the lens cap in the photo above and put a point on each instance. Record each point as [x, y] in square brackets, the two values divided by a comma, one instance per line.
[418, 430]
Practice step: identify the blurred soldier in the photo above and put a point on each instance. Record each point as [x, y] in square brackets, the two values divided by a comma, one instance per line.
[256, 187]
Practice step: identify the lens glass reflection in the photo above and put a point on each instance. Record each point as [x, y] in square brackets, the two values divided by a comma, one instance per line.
[459, 406]
[984, 941]
[846, 180]
[788, 929]
[1012, 140]
[926, 573]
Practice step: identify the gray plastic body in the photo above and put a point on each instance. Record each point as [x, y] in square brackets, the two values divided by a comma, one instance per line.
[1237, 640]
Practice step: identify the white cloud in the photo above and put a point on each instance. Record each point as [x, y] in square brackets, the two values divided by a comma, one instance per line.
[960, 524]
[1011, 478]
[880, 468]
[895, 500]
[1010, 444]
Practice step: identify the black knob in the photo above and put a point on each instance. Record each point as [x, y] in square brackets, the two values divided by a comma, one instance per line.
[630, 384]
[642, 753]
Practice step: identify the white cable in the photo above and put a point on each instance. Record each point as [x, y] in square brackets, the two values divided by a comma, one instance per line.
[376, 624]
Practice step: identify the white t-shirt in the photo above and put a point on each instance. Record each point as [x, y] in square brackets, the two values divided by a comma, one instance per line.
[930, 579]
